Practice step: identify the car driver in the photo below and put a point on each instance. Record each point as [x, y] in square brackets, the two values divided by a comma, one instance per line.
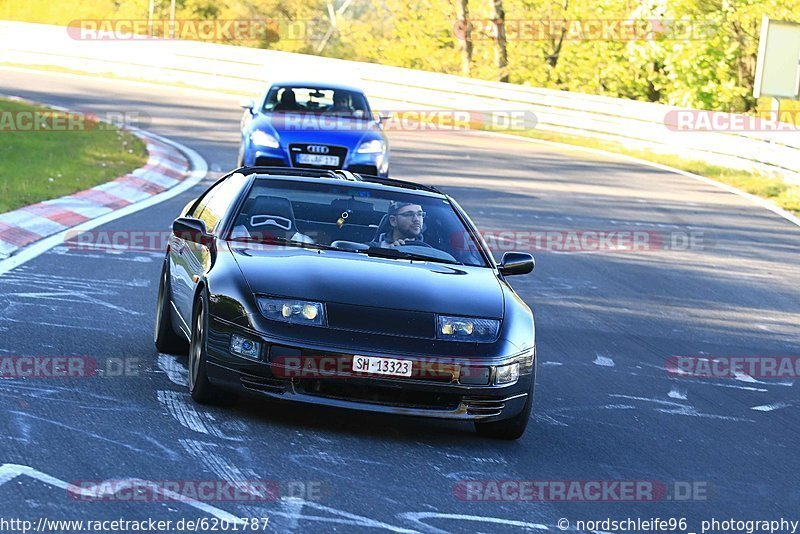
[406, 220]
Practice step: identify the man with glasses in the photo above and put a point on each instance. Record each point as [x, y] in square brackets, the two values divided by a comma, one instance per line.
[406, 220]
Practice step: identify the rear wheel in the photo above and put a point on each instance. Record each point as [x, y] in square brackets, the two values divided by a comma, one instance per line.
[509, 429]
[166, 339]
[200, 387]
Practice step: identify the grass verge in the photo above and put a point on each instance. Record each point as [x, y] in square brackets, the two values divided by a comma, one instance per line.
[71, 155]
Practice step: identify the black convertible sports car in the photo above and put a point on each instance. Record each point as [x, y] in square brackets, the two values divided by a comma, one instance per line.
[360, 292]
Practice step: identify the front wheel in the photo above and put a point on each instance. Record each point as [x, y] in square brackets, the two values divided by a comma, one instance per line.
[166, 339]
[200, 387]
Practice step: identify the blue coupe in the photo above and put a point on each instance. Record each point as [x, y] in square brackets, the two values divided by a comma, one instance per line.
[314, 126]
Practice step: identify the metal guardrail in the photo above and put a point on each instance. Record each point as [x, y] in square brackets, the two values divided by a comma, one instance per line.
[245, 71]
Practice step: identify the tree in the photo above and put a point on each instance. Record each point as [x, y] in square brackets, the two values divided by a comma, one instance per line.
[463, 30]
[501, 49]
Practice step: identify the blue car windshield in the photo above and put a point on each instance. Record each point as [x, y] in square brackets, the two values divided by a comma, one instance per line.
[295, 99]
[353, 218]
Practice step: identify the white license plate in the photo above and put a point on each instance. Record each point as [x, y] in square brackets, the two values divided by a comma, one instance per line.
[316, 159]
[381, 366]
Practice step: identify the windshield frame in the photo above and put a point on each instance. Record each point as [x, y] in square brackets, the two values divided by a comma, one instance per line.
[368, 115]
[226, 226]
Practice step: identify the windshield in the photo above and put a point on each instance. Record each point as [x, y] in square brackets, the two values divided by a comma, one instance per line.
[354, 219]
[339, 102]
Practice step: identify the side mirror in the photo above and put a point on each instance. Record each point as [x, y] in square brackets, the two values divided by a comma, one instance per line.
[247, 104]
[383, 117]
[190, 229]
[516, 263]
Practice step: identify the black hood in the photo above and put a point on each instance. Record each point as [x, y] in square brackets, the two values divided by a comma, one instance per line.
[350, 278]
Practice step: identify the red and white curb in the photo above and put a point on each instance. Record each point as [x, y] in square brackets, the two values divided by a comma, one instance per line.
[171, 169]
[166, 167]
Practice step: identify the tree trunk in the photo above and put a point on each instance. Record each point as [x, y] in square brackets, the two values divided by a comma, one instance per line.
[501, 50]
[464, 34]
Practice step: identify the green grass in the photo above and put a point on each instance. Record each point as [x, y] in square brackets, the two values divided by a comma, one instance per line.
[785, 195]
[40, 165]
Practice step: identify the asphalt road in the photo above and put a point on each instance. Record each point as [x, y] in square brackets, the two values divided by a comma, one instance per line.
[606, 409]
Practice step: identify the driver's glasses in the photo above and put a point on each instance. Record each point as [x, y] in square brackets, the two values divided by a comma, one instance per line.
[419, 214]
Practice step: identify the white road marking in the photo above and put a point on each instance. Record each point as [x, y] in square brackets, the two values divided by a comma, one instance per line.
[742, 377]
[206, 454]
[603, 361]
[691, 411]
[78, 430]
[419, 517]
[9, 472]
[176, 372]
[677, 393]
[176, 405]
[771, 407]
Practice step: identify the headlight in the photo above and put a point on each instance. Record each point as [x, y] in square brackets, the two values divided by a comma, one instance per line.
[371, 147]
[467, 329]
[292, 311]
[264, 139]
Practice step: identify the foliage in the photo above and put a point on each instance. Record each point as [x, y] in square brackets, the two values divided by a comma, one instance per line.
[696, 53]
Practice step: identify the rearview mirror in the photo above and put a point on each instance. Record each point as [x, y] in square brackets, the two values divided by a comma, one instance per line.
[516, 263]
[191, 229]
[247, 104]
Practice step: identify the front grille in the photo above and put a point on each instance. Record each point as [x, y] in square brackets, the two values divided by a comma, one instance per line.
[400, 398]
[302, 148]
[381, 320]
[267, 161]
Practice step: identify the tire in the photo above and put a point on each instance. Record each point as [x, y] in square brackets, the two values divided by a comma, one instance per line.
[508, 429]
[200, 387]
[166, 339]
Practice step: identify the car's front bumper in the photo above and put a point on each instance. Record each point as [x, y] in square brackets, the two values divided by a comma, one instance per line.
[436, 392]
[374, 164]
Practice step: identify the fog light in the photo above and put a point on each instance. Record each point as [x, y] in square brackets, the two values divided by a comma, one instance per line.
[245, 347]
[507, 374]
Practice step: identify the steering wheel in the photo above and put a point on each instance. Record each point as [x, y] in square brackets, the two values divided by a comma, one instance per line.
[416, 243]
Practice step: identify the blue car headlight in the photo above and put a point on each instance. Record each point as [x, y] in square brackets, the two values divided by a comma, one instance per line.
[467, 329]
[292, 311]
[375, 146]
[260, 138]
